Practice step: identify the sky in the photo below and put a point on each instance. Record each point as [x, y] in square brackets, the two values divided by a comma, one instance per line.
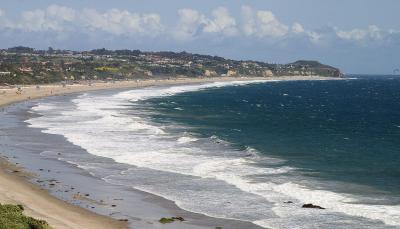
[358, 36]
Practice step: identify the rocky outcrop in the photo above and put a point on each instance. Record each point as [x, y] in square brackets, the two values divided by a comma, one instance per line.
[312, 206]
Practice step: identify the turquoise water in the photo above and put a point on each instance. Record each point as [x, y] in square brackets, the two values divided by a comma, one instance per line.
[331, 130]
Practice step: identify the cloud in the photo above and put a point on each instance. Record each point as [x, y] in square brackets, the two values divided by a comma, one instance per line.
[262, 24]
[61, 12]
[248, 20]
[315, 37]
[193, 24]
[370, 36]
[269, 25]
[253, 25]
[221, 23]
[56, 18]
[37, 20]
[297, 28]
[372, 32]
[121, 22]
[4, 22]
[188, 26]
[53, 18]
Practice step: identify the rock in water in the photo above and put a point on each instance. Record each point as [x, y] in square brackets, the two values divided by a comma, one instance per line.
[312, 206]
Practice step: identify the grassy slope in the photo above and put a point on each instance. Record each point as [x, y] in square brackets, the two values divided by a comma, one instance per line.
[11, 217]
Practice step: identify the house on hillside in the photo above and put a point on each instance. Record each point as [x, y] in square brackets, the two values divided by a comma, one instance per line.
[25, 70]
[231, 73]
[5, 73]
[268, 73]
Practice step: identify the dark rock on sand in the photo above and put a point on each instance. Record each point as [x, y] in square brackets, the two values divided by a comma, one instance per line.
[312, 206]
[178, 218]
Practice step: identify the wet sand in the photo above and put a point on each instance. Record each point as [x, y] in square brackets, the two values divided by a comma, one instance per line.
[39, 204]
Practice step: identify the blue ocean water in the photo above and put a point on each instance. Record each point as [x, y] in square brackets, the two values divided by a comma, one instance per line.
[332, 130]
[252, 151]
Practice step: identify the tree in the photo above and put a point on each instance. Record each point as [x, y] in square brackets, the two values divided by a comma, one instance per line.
[50, 50]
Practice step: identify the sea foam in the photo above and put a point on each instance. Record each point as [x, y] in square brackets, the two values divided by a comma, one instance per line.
[115, 127]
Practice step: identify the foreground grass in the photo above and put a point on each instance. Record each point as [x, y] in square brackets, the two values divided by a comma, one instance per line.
[11, 217]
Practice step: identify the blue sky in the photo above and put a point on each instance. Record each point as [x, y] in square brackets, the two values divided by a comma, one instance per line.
[358, 36]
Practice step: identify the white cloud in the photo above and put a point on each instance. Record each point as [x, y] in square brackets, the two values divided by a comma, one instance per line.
[372, 32]
[314, 36]
[192, 24]
[221, 23]
[4, 22]
[152, 22]
[188, 25]
[121, 22]
[355, 34]
[37, 20]
[270, 26]
[297, 28]
[248, 26]
[53, 18]
[62, 19]
[262, 23]
[61, 12]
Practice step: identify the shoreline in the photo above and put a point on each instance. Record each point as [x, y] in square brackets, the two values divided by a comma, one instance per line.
[38, 202]
[9, 95]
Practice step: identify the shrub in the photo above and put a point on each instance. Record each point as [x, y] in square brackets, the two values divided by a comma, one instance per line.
[11, 217]
[166, 220]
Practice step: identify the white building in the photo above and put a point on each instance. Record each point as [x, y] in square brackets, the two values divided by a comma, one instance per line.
[5, 73]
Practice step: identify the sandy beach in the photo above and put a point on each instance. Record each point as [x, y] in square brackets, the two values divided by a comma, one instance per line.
[16, 187]
[39, 204]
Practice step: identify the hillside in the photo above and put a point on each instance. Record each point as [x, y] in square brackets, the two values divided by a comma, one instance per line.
[24, 65]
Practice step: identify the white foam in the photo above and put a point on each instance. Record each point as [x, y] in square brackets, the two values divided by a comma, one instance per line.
[341, 203]
[183, 140]
[43, 107]
[235, 172]
[99, 125]
[151, 92]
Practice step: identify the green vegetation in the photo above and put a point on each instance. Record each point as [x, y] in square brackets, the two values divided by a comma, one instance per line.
[11, 217]
[170, 220]
[166, 220]
[106, 69]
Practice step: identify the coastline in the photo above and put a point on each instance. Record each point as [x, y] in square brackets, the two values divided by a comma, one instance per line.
[37, 201]
[9, 95]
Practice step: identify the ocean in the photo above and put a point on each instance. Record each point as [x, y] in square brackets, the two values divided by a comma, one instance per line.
[252, 151]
